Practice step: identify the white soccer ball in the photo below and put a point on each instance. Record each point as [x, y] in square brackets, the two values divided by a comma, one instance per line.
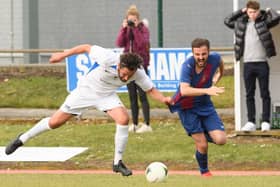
[156, 172]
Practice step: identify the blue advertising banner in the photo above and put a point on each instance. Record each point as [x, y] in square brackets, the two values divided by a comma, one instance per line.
[164, 69]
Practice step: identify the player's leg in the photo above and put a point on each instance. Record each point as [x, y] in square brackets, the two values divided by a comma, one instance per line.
[43, 125]
[68, 108]
[121, 118]
[193, 126]
[116, 110]
[214, 128]
[57, 119]
[213, 125]
[218, 137]
[201, 153]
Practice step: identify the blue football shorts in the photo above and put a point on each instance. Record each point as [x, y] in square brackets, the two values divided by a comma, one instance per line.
[197, 123]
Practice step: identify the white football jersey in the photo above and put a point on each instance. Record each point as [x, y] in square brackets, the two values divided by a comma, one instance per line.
[103, 79]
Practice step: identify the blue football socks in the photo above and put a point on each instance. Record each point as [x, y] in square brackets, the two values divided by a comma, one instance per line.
[202, 160]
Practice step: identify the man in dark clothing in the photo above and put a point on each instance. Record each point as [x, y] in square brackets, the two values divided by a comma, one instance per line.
[253, 42]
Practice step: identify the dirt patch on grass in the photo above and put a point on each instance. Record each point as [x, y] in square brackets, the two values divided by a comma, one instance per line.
[27, 70]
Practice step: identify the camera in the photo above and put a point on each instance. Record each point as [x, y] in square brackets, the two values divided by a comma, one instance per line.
[130, 23]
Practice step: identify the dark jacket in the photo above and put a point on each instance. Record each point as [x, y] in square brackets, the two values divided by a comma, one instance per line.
[141, 41]
[238, 21]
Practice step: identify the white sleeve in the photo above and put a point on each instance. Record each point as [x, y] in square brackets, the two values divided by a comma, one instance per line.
[143, 80]
[103, 56]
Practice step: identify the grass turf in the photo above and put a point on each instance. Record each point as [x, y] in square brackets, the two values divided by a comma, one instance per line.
[168, 143]
[50, 92]
[39, 180]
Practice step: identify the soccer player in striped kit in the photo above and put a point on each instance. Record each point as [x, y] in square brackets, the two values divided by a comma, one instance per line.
[199, 74]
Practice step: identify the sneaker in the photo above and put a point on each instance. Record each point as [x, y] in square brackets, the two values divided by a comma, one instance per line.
[120, 167]
[207, 174]
[265, 126]
[13, 145]
[144, 128]
[132, 128]
[249, 126]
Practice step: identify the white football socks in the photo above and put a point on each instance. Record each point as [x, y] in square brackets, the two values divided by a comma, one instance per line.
[121, 138]
[37, 129]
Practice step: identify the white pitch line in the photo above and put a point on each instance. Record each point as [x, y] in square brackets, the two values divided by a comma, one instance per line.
[41, 154]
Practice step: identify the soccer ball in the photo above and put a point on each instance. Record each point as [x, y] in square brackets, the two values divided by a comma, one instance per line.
[156, 172]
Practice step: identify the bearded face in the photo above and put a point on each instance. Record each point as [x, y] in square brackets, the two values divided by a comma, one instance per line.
[201, 55]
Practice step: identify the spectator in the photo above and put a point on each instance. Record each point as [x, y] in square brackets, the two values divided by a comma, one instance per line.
[254, 43]
[134, 37]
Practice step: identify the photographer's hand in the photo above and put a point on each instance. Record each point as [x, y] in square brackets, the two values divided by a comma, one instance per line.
[124, 23]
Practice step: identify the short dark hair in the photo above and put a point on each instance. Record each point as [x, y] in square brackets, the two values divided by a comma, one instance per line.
[253, 5]
[131, 61]
[199, 42]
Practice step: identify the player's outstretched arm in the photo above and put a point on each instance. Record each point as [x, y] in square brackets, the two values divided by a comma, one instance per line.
[58, 57]
[157, 95]
[187, 90]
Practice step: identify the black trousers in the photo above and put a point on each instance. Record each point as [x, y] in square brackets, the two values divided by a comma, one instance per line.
[252, 72]
[133, 91]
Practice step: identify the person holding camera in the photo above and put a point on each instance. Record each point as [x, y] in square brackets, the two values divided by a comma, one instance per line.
[134, 36]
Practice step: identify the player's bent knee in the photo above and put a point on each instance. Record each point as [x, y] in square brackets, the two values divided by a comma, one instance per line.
[202, 147]
[122, 120]
[220, 140]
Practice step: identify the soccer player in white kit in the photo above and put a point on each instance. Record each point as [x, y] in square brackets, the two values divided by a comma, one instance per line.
[98, 89]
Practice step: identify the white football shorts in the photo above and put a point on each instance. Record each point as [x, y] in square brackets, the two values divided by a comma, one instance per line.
[76, 102]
